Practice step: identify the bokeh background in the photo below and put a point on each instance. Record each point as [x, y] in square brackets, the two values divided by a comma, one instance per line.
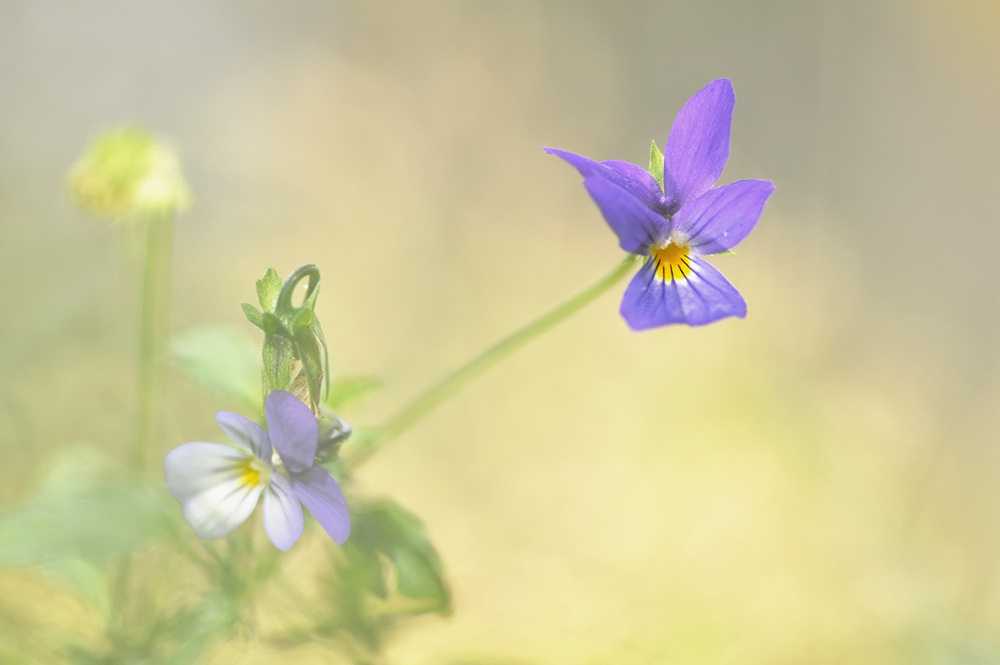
[816, 483]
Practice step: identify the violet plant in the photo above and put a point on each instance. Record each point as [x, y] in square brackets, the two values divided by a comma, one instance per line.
[671, 216]
[104, 530]
[218, 485]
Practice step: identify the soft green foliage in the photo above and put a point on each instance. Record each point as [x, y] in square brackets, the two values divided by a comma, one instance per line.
[389, 548]
[83, 516]
[387, 571]
[347, 391]
[101, 532]
[656, 164]
[223, 361]
[127, 173]
[82, 510]
[290, 334]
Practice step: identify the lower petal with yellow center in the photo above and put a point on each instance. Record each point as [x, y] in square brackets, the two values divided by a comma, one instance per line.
[671, 261]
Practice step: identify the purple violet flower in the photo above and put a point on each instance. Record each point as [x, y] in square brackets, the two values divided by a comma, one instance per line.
[218, 485]
[673, 217]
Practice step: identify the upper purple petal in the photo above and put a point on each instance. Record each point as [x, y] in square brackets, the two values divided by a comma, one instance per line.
[720, 218]
[698, 145]
[702, 297]
[293, 429]
[246, 434]
[636, 226]
[321, 495]
[635, 180]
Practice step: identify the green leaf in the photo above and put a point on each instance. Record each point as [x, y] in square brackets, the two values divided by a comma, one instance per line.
[384, 531]
[221, 360]
[366, 571]
[194, 630]
[656, 164]
[81, 517]
[268, 288]
[346, 391]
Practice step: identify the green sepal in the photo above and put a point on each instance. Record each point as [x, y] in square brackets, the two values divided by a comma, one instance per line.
[318, 331]
[272, 325]
[277, 357]
[253, 315]
[291, 333]
[303, 319]
[283, 305]
[656, 164]
[725, 252]
[268, 288]
[308, 350]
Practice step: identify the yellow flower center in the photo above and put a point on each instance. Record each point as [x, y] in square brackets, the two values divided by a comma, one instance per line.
[253, 472]
[671, 261]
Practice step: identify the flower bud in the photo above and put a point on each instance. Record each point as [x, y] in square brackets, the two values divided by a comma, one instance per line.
[126, 173]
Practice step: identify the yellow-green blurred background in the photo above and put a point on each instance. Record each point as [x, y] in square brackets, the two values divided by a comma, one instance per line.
[815, 484]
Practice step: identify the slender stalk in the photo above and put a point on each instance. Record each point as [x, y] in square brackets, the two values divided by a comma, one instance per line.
[156, 259]
[431, 398]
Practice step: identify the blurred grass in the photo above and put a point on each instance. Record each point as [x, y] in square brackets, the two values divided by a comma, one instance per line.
[813, 484]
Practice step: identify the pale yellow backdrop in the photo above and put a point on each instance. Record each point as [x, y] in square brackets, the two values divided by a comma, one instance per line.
[815, 484]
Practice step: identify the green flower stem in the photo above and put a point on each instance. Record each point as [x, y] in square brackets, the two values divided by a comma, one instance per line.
[157, 254]
[431, 398]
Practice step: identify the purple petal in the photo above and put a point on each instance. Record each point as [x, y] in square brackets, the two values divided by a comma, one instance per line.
[702, 297]
[282, 513]
[636, 180]
[245, 433]
[321, 494]
[698, 145]
[636, 226]
[720, 218]
[293, 430]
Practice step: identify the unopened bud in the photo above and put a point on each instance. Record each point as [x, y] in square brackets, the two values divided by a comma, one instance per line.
[127, 173]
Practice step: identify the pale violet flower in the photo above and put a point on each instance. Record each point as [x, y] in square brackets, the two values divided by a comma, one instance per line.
[218, 485]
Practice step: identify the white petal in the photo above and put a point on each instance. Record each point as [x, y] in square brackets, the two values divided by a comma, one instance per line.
[245, 433]
[196, 467]
[282, 513]
[216, 512]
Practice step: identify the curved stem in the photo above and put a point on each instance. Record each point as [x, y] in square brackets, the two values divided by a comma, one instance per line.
[431, 398]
